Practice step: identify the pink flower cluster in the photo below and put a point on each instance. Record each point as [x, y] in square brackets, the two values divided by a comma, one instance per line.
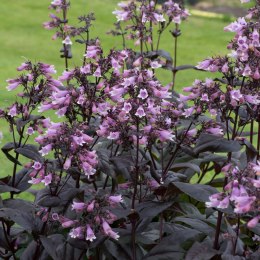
[40, 174]
[82, 97]
[211, 96]
[174, 11]
[241, 192]
[95, 217]
[149, 12]
[37, 84]
[245, 47]
[71, 143]
[146, 13]
[139, 99]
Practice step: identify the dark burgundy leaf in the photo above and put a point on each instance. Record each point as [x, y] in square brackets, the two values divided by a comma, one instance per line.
[29, 252]
[185, 67]
[162, 53]
[21, 180]
[104, 163]
[51, 244]
[114, 249]
[193, 166]
[45, 199]
[122, 165]
[201, 251]
[7, 148]
[24, 219]
[199, 192]
[212, 143]
[170, 247]
[68, 194]
[196, 224]
[251, 152]
[152, 208]
[6, 188]
[19, 204]
[31, 152]
[3, 242]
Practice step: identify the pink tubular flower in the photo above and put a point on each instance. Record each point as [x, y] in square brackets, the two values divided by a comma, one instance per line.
[55, 216]
[188, 111]
[37, 165]
[44, 107]
[13, 111]
[204, 65]
[140, 112]
[61, 112]
[45, 150]
[29, 131]
[47, 69]
[115, 199]
[236, 26]
[35, 180]
[121, 15]
[25, 66]
[66, 223]
[215, 131]
[56, 2]
[243, 204]
[97, 72]
[127, 107]
[108, 231]
[91, 206]
[92, 51]
[113, 136]
[253, 222]
[143, 94]
[223, 204]
[76, 232]
[78, 206]
[47, 179]
[90, 234]
[236, 95]
[165, 135]
[67, 163]
[214, 200]
[67, 41]
[13, 84]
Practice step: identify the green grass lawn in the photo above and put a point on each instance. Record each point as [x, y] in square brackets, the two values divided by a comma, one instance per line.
[23, 37]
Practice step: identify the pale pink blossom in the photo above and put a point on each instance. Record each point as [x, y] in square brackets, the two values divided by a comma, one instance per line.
[45, 150]
[47, 179]
[108, 231]
[90, 234]
[67, 41]
[13, 111]
[140, 112]
[113, 135]
[37, 165]
[76, 232]
[115, 199]
[78, 206]
[91, 206]
[143, 94]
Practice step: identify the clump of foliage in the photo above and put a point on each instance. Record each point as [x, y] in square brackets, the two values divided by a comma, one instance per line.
[133, 169]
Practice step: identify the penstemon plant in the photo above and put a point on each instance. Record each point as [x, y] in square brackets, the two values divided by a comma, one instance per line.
[127, 168]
